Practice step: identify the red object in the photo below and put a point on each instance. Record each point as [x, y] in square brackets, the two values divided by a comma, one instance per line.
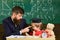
[37, 33]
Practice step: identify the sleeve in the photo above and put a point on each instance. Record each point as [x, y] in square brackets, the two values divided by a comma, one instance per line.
[7, 29]
[23, 24]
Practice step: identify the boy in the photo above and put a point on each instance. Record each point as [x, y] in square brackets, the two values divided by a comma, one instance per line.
[35, 27]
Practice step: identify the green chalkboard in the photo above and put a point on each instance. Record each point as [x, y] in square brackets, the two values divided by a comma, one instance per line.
[47, 10]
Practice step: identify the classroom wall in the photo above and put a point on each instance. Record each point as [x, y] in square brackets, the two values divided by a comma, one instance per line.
[47, 10]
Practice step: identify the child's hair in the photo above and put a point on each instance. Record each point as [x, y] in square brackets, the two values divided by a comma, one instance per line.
[50, 25]
[36, 20]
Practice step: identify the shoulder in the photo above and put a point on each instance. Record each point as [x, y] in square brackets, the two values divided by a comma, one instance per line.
[23, 20]
[7, 19]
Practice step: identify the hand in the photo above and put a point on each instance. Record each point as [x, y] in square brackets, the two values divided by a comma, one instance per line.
[27, 34]
[25, 30]
[33, 33]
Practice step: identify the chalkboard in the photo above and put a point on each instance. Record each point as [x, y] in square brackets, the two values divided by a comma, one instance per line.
[43, 9]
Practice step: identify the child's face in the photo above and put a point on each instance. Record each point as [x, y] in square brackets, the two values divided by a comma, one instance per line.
[36, 26]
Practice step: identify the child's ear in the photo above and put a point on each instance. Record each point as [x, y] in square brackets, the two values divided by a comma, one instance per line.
[40, 22]
[33, 24]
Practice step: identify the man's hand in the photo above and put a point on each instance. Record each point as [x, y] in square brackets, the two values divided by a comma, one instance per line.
[25, 30]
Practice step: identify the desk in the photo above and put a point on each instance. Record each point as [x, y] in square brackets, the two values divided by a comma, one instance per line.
[28, 38]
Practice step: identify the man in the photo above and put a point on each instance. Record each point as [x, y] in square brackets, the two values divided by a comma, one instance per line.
[15, 24]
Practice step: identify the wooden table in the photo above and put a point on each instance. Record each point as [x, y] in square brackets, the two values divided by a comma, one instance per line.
[28, 38]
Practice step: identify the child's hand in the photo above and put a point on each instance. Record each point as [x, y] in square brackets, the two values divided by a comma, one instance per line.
[27, 34]
[33, 33]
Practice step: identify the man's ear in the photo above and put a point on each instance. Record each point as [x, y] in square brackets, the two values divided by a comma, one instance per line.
[14, 14]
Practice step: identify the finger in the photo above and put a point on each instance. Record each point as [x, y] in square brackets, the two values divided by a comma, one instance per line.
[29, 27]
[39, 35]
[27, 34]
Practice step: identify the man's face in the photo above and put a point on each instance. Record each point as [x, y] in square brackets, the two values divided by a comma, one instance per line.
[18, 16]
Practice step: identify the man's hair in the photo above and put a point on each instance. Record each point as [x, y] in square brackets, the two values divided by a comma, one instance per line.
[18, 9]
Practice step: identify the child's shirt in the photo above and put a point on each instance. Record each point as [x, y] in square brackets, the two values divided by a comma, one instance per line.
[37, 33]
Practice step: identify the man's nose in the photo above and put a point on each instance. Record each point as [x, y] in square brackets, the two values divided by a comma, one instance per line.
[20, 17]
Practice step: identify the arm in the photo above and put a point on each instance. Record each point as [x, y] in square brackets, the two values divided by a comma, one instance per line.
[8, 30]
[23, 24]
